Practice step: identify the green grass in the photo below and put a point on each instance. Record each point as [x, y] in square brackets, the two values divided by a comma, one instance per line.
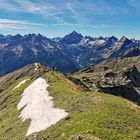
[92, 115]
[10, 125]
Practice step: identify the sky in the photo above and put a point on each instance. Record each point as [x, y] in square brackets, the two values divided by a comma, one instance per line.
[54, 18]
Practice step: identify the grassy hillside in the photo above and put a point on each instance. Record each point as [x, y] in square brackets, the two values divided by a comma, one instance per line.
[92, 115]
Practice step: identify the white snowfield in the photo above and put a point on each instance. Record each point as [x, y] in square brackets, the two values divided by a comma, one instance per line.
[37, 105]
[22, 82]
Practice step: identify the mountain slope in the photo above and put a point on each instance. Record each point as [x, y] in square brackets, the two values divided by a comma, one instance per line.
[67, 54]
[92, 115]
[120, 77]
[121, 46]
[19, 51]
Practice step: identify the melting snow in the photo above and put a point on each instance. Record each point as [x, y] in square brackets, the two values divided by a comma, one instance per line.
[22, 82]
[38, 106]
[36, 66]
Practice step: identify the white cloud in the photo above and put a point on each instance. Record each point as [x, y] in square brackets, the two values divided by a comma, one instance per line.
[23, 24]
[83, 25]
[27, 6]
[18, 24]
[10, 21]
[72, 13]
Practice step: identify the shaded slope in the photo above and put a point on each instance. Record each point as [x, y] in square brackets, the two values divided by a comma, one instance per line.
[18, 51]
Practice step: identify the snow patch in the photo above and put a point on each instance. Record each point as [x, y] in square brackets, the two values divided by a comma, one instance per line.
[37, 105]
[22, 82]
[99, 42]
[36, 66]
[92, 42]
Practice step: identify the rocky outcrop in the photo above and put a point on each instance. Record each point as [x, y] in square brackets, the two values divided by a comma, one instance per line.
[125, 84]
[118, 78]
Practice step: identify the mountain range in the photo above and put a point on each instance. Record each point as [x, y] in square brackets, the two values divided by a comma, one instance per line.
[66, 54]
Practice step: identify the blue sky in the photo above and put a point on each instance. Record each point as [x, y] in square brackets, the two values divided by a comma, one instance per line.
[59, 17]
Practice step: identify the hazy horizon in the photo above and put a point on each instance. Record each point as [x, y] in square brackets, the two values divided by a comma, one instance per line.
[119, 37]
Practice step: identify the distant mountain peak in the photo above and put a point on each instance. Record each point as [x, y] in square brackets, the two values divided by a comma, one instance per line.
[74, 33]
[125, 40]
[124, 37]
[101, 38]
[1, 36]
[72, 38]
[18, 35]
[113, 37]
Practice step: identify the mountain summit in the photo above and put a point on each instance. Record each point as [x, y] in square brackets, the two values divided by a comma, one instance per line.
[72, 38]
